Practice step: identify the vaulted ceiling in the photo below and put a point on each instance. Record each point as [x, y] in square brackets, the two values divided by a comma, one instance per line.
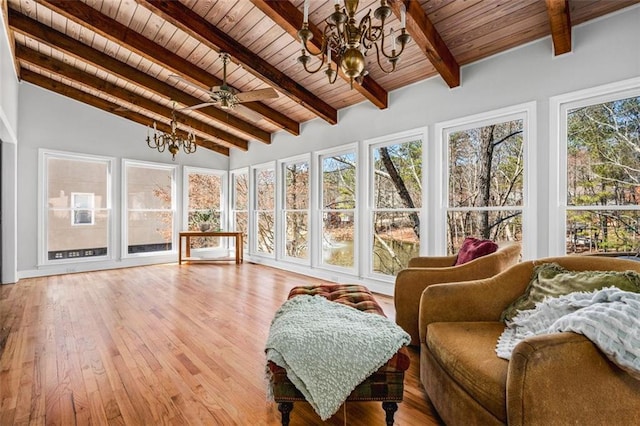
[140, 58]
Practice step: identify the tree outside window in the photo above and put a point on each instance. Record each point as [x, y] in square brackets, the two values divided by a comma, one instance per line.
[485, 187]
[204, 209]
[265, 180]
[397, 201]
[338, 208]
[603, 177]
[296, 209]
[240, 204]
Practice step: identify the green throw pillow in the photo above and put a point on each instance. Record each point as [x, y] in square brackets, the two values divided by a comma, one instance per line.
[552, 280]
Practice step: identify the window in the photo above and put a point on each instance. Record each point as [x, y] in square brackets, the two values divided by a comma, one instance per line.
[77, 207]
[265, 194]
[396, 205]
[296, 209]
[82, 206]
[602, 190]
[240, 203]
[204, 191]
[338, 208]
[485, 195]
[149, 193]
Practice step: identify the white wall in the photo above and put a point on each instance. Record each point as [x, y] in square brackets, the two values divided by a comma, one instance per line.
[605, 50]
[8, 88]
[8, 141]
[54, 122]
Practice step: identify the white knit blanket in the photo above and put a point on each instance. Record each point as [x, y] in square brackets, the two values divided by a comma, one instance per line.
[610, 318]
[329, 348]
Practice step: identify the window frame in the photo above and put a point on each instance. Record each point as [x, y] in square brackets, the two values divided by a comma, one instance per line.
[125, 208]
[370, 145]
[317, 200]
[232, 204]
[558, 109]
[282, 228]
[222, 210]
[43, 209]
[254, 211]
[526, 112]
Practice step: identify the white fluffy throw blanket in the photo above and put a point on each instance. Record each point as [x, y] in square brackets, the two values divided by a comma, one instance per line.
[610, 318]
[329, 348]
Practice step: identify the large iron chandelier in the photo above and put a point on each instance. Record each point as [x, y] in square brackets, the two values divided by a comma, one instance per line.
[171, 141]
[350, 42]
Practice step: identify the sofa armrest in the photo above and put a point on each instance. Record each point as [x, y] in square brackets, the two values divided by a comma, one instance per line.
[432, 262]
[479, 300]
[564, 378]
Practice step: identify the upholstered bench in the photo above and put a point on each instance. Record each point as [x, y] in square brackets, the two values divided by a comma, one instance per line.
[386, 384]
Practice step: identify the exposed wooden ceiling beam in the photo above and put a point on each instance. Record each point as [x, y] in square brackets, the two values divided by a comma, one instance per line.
[57, 40]
[61, 68]
[196, 26]
[84, 97]
[288, 17]
[425, 35]
[111, 29]
[560, 23]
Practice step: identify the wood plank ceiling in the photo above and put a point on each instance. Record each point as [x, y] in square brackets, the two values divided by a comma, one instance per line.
[122, 55]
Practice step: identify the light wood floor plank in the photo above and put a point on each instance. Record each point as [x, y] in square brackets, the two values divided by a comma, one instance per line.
[164, 344]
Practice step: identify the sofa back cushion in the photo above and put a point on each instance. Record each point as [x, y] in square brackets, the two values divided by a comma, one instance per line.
[552, 280]
[473, 248]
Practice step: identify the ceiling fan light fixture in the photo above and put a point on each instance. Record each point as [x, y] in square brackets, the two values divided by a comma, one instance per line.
[349, 42]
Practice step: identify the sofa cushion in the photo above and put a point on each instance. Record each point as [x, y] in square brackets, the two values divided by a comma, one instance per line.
[466, 350]
[552, 280]
[473, 248]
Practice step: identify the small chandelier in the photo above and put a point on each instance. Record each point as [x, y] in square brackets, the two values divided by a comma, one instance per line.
[172, 141]
[350, 42]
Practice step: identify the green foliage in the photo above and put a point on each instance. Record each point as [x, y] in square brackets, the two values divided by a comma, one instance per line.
[603, 150]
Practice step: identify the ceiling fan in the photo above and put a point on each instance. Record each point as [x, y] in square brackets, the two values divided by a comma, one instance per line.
[227, 97]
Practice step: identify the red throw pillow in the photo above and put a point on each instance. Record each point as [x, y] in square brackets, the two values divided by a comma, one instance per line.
[473, 248]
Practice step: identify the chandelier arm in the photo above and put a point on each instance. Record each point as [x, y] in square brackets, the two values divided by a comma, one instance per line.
[304, 64]
[393, 61]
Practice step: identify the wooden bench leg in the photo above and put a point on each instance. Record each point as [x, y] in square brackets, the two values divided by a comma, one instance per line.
[285, 408]
[390, 408]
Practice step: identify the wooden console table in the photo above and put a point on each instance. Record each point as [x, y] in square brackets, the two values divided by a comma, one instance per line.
[187, 235]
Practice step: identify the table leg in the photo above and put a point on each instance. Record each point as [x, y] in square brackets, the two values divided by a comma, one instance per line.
[238, 241]
[179, 250]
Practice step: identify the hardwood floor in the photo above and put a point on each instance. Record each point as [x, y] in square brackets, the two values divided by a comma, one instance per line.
[163, 344]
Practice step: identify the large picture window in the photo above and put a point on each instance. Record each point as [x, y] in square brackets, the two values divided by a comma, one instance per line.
[602, 174]
[149, 193]
[338, 209]
[265, 209]
[396, 200]
[77, 206]
[485, 188]
[296, 209]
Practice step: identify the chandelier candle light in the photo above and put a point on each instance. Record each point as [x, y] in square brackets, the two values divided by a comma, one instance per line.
[172, 141]
[349, 43]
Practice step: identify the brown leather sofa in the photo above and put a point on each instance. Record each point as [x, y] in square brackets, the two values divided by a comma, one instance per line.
[425, 271]
[553, 379]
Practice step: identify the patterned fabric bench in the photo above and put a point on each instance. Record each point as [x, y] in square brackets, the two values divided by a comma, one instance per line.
[386, 384]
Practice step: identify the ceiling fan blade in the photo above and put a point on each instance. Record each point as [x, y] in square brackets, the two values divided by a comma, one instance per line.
[250, 114]
[257, 95]
[202, 105]
[184, 80]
